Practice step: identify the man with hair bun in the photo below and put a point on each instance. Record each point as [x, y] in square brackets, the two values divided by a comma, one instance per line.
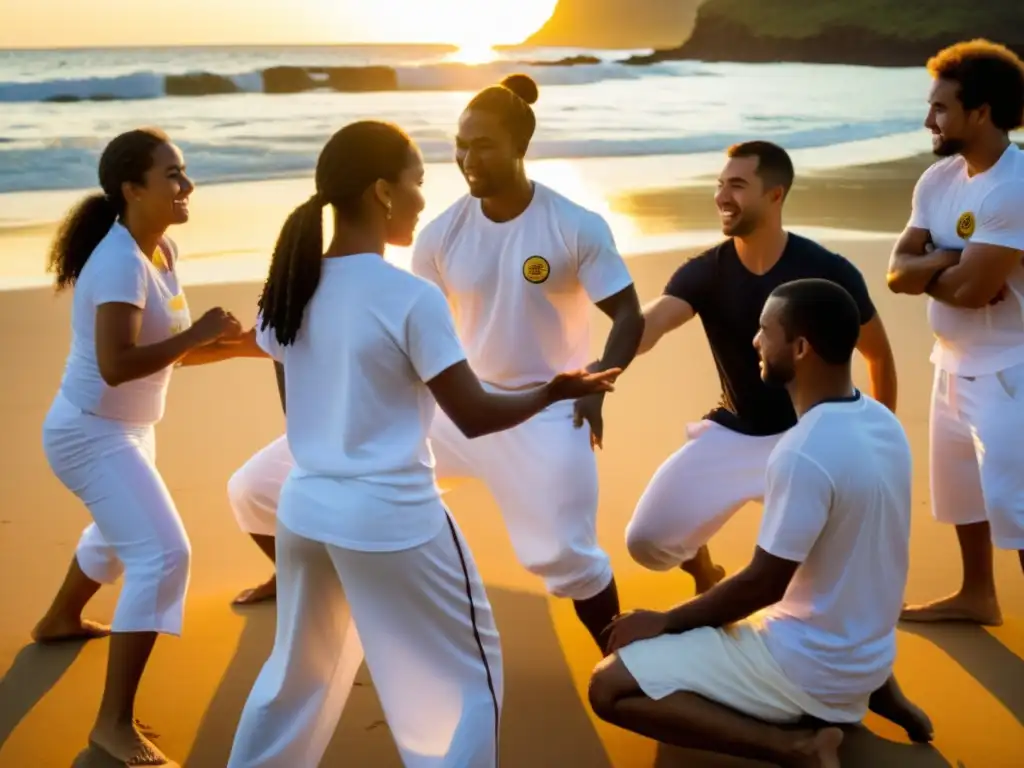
[521, 266]
[963, 247]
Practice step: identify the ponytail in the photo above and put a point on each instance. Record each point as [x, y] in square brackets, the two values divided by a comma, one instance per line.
[126, 159]
[79, 234]
[294, 271]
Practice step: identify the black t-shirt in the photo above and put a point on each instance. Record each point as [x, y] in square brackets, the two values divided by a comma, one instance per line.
[729, 298]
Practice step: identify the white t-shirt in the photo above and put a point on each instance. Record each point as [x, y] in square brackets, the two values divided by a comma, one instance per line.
[359, 410]
[521, 290]
[838, 502]
[118, 272]
[987, 208]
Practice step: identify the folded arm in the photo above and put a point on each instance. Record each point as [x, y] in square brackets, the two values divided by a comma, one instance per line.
[978, 279]
[912, 264]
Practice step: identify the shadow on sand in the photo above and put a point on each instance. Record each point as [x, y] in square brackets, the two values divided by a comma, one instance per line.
[982, 656]
[36, 669]
[544, 721]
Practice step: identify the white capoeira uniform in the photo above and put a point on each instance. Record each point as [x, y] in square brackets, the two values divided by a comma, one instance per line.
[721, 467]
[977, 408]
[368, 560]
[521, 292]
[838, 503]
[100, 440]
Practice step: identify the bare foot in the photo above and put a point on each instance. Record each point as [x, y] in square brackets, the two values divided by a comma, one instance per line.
[261, 594]
[61, 630]
[705, 573]
[958, 607]
[820, 750]
[907, 716]
[126, 745]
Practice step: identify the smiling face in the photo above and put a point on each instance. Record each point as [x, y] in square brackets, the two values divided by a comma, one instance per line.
[486, 153]
[778, 355]
[953, 127]
[162, 198]
[405, 199]
[742, 199]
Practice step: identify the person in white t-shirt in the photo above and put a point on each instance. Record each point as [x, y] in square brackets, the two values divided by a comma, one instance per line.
[964, 248]
[808, 628]
[521, 266]
[369, 561]
[130, 325]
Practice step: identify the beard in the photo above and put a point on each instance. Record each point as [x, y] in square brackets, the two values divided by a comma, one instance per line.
[744, 224]
[777, 373]
[948, 147]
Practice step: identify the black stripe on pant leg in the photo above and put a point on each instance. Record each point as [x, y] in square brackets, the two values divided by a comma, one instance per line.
[476, 634]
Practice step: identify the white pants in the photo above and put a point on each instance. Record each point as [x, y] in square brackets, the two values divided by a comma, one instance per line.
[110, 466]
[977, 452]
[542, 473]
[431, 646]
[695, 492]
[731, 667]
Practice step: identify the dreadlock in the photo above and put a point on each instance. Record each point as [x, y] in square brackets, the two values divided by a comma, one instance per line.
[351, 162]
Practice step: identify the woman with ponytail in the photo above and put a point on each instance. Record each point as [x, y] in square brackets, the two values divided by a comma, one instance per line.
[130, 325]
[363, 540]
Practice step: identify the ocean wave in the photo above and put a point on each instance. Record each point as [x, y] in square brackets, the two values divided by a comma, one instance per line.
[341, 79]
[71, 164]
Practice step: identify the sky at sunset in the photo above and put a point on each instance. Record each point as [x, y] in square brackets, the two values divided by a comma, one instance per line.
[99, 23]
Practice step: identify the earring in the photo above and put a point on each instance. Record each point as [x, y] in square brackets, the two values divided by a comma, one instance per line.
[387, 212]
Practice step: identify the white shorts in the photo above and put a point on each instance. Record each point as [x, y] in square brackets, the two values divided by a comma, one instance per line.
[977, 452]
[423, 619]
[542, 473]
[733, 668]
[695, 492]
[136, 529]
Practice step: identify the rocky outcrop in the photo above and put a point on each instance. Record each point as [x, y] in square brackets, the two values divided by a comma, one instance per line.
[888, 33]
[198, 84]
[343, 79]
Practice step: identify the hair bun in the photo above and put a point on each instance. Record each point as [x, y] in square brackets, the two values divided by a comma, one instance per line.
[523, 86]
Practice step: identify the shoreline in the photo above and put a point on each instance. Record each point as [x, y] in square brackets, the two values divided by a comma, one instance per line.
[653, 204]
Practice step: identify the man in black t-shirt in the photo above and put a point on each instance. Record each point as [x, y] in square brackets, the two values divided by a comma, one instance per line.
[722, 466]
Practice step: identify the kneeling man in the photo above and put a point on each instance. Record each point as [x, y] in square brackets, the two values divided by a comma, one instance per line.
[808, 628]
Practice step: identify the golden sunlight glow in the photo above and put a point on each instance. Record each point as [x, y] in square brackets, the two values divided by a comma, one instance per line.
[472, 54]
[473, 25]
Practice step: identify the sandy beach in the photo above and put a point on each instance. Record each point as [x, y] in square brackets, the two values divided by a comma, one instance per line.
[970, 680]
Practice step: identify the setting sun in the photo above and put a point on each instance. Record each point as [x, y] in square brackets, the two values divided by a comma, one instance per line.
[472, 25]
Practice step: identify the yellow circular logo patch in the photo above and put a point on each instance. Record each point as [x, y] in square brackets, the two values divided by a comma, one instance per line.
[965, 225]
[536, 269]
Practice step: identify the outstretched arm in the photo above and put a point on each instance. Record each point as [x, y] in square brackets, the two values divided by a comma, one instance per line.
[244, 346]
[627, 329]
[798, 497]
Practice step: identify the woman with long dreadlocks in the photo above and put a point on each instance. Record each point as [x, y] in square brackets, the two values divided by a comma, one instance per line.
[364, 542]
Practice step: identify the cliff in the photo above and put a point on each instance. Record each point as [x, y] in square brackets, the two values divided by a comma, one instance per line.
[623, 24]
[893, 33]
